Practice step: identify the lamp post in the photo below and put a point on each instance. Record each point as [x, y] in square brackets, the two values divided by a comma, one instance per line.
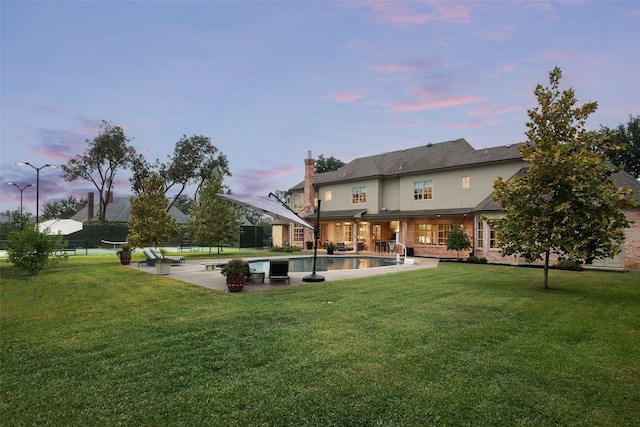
[21, 190]
[37, 184]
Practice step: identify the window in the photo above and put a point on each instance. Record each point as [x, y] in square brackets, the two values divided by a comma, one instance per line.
[423, 190]
[348, 232]
[493, 237]
[433, 234]
[363, 231]
[359, 195]
[377, 232]
[327, 195]
[298, 200]
[465, 182]
[480, 235]
[424, 234]
[298, 233]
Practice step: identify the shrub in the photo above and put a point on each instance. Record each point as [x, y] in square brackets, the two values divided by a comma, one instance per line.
[30, 250]
[472, 259]
[565, 264]
[482, 261]
[287, 249]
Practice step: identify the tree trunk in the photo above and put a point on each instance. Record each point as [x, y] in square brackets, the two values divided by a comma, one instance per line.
[545, 283]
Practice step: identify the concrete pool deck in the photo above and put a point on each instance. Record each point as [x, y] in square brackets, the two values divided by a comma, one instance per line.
[193, 271]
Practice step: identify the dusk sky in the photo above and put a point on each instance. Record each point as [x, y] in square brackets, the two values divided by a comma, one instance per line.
[267, 81]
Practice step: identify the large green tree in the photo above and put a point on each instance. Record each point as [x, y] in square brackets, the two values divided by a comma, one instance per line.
[150, 223]
[625, 150]
[194, 158]
[213, 221]
[63, 208]
[104, 156]
[329, 164]
[566, 202]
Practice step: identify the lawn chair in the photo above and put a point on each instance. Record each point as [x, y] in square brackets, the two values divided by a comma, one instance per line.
[279, 270]
[175, 260]
[151, 258]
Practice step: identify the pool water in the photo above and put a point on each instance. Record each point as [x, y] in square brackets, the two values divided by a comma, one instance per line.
[324, 263]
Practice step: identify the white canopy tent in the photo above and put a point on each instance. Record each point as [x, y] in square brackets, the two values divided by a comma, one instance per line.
[61, 226]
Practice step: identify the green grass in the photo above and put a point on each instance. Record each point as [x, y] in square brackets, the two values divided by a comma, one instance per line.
[95, 343]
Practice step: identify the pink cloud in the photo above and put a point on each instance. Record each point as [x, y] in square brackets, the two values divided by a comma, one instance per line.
[451, 12]
[401, 13]
[259, 181]
[433, 103]
[347, 95]
[508, 68]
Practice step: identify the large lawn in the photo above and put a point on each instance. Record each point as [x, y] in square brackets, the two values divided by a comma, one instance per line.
[95, 343]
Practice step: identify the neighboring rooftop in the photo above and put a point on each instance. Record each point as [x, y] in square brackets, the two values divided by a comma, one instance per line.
[118, 211]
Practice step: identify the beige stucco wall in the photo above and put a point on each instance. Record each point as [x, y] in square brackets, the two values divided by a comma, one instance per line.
[447, 186]
[396, 193]
[341, 196]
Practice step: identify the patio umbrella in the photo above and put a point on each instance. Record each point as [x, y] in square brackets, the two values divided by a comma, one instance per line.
[62, 226]
[267, 205]
[271, 206]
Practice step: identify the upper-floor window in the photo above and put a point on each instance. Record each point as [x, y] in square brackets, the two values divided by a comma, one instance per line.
[465, 182]
[423, 190]
[359, 195]
[298, 200]
[327, 195]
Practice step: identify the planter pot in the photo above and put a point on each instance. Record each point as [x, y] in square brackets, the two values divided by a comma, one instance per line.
[125, 258]
[235, 283]
[330, 251]
[163, 268]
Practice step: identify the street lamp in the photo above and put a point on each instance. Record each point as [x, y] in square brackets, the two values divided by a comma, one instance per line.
[21, 190]
[37, 184]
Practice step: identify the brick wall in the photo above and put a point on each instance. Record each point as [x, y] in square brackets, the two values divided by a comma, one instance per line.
[439, 251]
[632, 241]
[631, 246]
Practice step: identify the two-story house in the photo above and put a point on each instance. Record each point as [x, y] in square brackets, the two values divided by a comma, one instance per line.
[414, 195]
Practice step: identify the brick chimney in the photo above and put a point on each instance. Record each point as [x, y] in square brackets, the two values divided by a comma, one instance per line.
[309, 191]
[309, 181]
[90, 206]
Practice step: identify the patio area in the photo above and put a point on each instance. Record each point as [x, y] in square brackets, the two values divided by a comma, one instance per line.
[195, 272]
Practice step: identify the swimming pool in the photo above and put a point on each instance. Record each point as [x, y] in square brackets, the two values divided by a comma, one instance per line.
[325, 263]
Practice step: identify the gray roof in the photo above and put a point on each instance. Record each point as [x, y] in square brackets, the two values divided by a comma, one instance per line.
[623, 179]
[430, 157]
[119, 212]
